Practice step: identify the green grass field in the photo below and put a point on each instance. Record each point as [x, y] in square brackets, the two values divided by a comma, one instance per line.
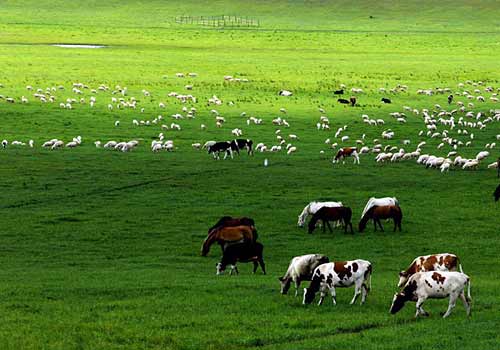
[100, 249]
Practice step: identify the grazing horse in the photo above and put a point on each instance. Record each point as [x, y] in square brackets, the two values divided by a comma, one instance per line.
[379, 202]
[346, 152]
[496, 194]
[312, 208]
[383, 212]
[327, 214]
[227, 235]
[229, 221]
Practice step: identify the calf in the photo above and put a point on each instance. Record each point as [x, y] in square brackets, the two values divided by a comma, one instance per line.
[301, 268]
[340, 274]
[434, 285]
[242, 252]
[339, 92]
[385, 100]
[343, 101]
[216, 148]
[346, 152]
[434, 262]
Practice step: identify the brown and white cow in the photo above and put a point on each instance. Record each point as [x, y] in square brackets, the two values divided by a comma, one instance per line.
[434, 285]
[434, 262]
[340, 274]
[347, 152]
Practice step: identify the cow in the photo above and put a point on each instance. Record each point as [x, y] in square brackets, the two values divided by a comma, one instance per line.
[242, 144]
[285, 93]
[224, 146]
[340, 274]
[434, 262]
[242, 252]
[352, 100]
[385, 100]
[450, 99]
[434, 285]
[339, 92]
[346, 152]
[301, 269]
[343, 101]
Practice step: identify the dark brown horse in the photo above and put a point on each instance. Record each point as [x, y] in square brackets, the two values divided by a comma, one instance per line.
[382, 212]
[327, 214]
[229, 221]
[228, 235]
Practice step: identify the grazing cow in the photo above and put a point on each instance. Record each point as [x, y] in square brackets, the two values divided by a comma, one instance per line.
[346, 152]
[243, 143]
[434, 262]
[496, 194]
[386, 100]
[285, 93]
[301, 268]
[339, 92]
[340, 274]
[327, 214]
[450, 99]
[434, 285]
[224, 146]
[242, 252]
[352, 100]
[343, 101]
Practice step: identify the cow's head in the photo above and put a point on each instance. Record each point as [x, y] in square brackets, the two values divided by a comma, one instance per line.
[398, 302]
[285, 284]
[220, 268]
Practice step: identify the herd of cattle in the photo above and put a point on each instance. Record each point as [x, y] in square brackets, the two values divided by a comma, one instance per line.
[431, 276]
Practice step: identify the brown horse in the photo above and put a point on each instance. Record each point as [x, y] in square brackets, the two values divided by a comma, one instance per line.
[229, 221]
[382, 212]
[327, 214]
[228, 235]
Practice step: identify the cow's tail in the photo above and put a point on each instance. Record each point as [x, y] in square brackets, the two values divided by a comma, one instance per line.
[460, 268]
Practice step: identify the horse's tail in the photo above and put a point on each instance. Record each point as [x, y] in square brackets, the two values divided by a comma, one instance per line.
[468, 289]
[460, 267]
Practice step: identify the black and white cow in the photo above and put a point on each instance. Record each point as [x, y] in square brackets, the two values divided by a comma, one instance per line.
[243, 144]
[301, 268]
[434, 285]
[218, 147]
[242, 252]
[385, 100]
[340, 274]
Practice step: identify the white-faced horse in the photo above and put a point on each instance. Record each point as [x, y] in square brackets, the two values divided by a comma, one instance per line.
[379, 202]
[312, 208]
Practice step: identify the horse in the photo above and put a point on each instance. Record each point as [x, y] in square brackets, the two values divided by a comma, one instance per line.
[379, 202]
[327, 214]
[228, 235]
[346, 152]
[383, 212]
[229, 221]
[312, 208]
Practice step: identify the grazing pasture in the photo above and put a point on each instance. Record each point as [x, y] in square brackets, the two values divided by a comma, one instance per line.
[100, 246]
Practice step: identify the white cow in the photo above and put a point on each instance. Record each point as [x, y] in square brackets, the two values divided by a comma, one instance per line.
[434, 285]
[301, 269]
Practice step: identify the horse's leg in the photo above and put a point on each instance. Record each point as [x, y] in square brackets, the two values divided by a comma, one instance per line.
[375, 224]
[324, 225]
[329, 227]
[262, 265]
[255, 265]
[380, 224]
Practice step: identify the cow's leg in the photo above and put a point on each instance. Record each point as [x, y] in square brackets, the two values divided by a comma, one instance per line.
[420, 309]
[322, 295]
[297, 285]
[466, 303]
[364, 292]
[255, 265]
[333, 294]
[233, 269]
[451, 305]
[357, 291]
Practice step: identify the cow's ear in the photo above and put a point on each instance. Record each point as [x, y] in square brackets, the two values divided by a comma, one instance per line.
[402, 274]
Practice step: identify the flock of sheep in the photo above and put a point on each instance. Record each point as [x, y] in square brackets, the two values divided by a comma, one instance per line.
[455, 127]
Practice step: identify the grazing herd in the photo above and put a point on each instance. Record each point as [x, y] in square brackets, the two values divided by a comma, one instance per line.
[435, 276]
